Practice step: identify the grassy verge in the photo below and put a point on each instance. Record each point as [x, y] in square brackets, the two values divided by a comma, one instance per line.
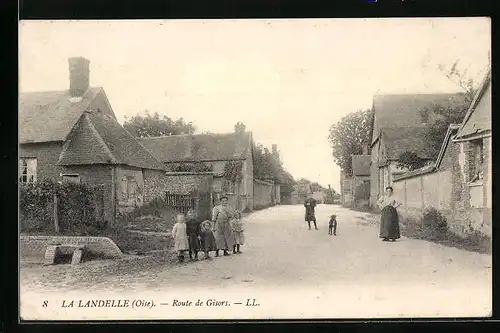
[476, 242]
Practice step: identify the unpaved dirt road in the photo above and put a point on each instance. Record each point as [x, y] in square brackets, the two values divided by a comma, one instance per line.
[292, 272]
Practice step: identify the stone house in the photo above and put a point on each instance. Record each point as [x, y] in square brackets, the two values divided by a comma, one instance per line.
[73, 135]
[473, 195]
[458, 184]
[361, 180]
[399, 123]
[346, 191]
[213, 151]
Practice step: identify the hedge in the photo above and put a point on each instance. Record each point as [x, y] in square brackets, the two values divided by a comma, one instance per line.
[79, 207]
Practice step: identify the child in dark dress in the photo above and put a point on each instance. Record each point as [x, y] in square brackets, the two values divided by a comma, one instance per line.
[207, 238]
[193, 228]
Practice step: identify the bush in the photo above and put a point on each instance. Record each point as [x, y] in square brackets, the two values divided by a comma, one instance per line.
[79, 207]
[433, 220]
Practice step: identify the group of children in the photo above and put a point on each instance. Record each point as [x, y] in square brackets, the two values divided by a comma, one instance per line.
[193, 236]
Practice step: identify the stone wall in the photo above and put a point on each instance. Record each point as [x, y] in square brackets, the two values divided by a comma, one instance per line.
[97, 174]
[156, 184]
[472, 209]
[47, 155]
[262, 194]
[449, 190]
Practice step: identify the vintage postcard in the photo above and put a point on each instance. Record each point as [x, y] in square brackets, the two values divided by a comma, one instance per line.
[255, 169]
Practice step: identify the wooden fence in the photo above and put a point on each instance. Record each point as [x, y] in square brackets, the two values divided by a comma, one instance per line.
[201, 203]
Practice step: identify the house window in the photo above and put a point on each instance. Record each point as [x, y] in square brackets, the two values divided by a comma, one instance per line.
[476, 160]
[27, 170]
[71, 178]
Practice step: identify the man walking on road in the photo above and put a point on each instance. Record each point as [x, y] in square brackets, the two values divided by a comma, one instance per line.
[310, 204]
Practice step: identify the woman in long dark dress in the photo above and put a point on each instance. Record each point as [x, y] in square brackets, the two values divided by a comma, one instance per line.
[389, 219]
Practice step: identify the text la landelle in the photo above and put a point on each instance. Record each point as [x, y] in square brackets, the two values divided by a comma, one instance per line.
[120, 303]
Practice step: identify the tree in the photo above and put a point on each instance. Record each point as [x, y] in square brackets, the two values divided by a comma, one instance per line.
[435, 133]
[348, 136]
[453, 113]
[239, 127]
[193, 167]
[461, 79]
[148, 125]
[263, 166]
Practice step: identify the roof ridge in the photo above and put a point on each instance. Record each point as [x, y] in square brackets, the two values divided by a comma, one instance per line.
[55, 90]
[420, 94]
[145, 149]
[186, 135]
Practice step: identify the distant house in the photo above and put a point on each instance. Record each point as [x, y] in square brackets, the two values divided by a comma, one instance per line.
[214, 151]
[361, 179]
[346, 190]
[72, 135]
[398, 126]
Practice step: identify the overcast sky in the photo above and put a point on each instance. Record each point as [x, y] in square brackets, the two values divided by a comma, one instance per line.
[287, 80]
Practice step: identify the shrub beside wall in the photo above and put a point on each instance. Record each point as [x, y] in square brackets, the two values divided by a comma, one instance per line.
[79, 207]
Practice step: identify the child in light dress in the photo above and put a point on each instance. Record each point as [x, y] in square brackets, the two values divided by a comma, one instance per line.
[181, 244]
[237, 228]
[207, 238]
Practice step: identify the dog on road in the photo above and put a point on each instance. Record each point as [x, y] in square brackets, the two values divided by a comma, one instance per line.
[332, 225]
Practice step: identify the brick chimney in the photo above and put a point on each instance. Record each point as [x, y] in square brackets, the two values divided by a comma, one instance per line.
[275, 154]
[79, 75]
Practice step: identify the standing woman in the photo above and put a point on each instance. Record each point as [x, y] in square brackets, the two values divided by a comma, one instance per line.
[389, 220]
[221, 216]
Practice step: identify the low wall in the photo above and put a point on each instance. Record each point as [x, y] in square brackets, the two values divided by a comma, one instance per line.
[32, 248]
[262, 193]
[435, 189]
[157, 184]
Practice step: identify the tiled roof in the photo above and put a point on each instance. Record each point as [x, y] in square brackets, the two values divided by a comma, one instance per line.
[99, 139]
[200, 147]
[478, 117]
[398, 140]
[403, 110]
[361, 165]
[50, 116]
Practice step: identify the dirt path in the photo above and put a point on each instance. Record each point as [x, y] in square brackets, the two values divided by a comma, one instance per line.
[354, 270]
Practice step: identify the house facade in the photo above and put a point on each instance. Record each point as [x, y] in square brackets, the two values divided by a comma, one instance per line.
[346, 191]
[458, 185]
[399, 124]
[361, 180]
[214, 152]
[473, 192]
[73, 135]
